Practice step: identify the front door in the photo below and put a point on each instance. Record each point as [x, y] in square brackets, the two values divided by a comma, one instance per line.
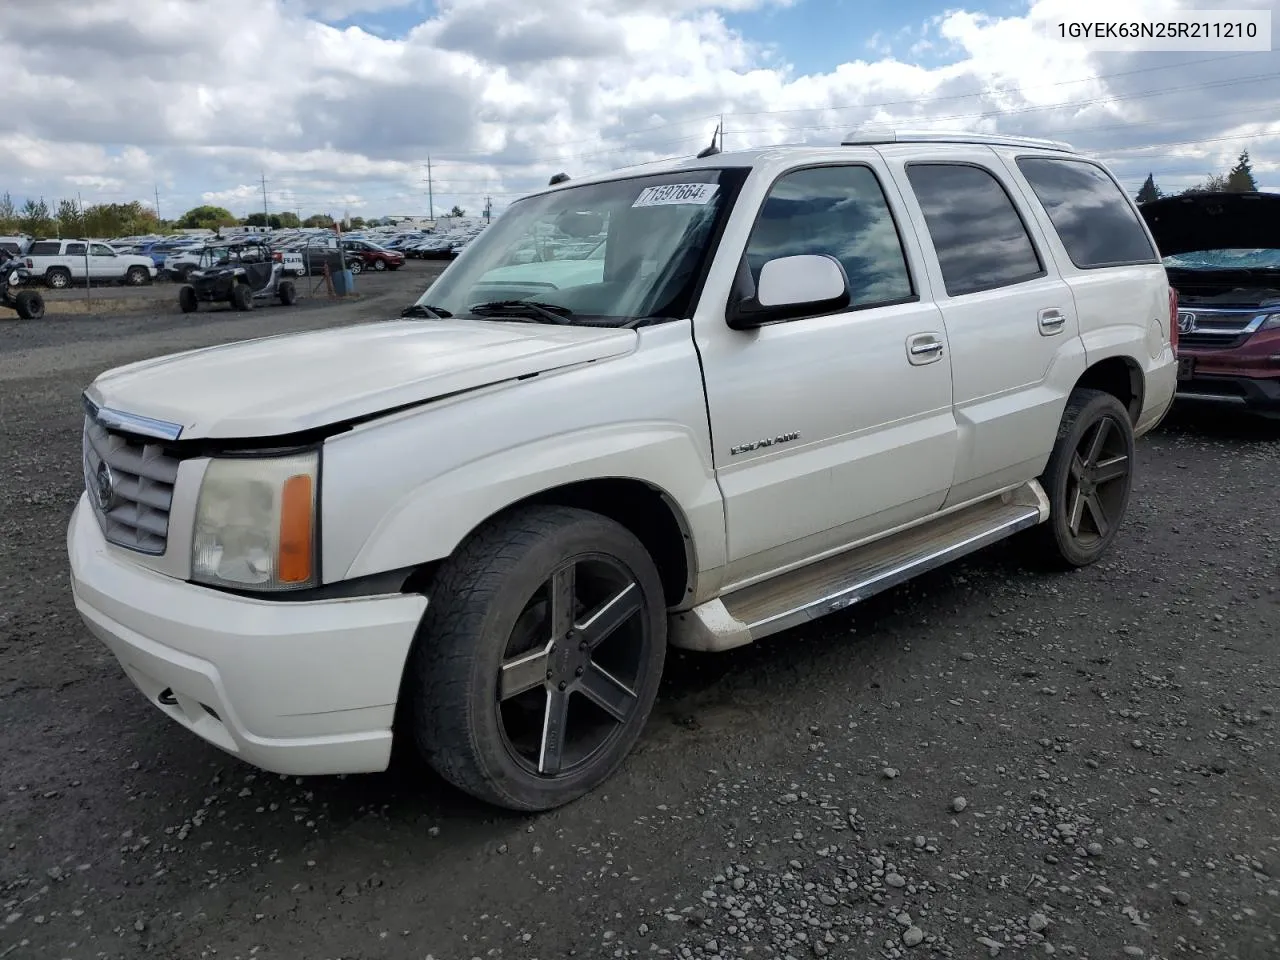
[829, 429]
[103, 262]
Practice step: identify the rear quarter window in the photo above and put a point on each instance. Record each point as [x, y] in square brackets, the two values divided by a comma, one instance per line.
[45, 248]
[1091, 215]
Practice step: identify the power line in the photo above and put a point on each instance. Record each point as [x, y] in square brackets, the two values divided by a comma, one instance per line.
[883, 103]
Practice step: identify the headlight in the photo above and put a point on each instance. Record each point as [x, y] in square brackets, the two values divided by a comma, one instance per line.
[255, 523]
[1271, 323]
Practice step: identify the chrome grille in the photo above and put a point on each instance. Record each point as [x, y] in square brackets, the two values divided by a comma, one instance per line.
[1221, 328]
[138, 487]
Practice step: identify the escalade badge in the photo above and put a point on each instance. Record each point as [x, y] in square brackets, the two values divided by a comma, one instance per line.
[761, 444]
[1186, 322]
[104, 487]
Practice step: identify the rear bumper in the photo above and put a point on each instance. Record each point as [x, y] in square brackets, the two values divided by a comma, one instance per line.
[298, 688]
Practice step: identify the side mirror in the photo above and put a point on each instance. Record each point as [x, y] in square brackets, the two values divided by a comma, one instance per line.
[789, 287]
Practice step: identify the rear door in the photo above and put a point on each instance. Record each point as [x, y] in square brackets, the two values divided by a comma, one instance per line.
[1009, 315]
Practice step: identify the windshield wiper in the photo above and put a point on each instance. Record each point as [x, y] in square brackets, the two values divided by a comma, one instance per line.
[523, 310]
[422, 310]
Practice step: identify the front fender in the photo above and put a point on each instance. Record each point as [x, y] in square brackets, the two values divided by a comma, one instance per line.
[429, 520]
[407, 489]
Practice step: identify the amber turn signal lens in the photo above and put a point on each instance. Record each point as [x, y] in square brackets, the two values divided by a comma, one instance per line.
[296, 541]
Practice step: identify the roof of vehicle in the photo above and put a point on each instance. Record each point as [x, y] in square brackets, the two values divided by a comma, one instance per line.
[868, 137]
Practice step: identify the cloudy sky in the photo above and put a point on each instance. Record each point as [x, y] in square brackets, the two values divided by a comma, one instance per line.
[338, 104]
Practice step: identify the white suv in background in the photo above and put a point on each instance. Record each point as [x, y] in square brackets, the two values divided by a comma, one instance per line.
[798, 376]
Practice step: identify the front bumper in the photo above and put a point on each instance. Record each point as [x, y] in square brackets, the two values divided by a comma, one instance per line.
[291, 687]
[1255, 394]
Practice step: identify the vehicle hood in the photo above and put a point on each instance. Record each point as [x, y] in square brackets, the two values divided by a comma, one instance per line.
[298, 382]
[1214, 221]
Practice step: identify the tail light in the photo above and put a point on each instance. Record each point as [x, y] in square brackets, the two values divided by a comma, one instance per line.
[277, 256]
[1173, 318]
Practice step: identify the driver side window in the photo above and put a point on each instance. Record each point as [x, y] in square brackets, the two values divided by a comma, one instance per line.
[101, 250]
[841, 212]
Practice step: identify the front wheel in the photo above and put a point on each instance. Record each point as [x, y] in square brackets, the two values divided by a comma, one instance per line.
[379, 265]
[539, 657]
[187, 301]
[29, 304]
[1088, 479]
[136, 276]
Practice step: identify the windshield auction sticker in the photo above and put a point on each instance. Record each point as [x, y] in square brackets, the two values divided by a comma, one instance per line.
[669, 193]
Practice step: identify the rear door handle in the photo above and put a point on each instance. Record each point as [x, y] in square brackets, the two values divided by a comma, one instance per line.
[924, 348]
[1051, 321]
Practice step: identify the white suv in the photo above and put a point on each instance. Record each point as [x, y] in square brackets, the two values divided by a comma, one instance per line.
[792, 378]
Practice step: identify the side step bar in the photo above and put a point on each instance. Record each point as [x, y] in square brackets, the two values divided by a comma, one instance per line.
[837, 582]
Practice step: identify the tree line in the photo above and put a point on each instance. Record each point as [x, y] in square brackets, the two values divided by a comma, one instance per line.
[68, 218]
[1239, 179]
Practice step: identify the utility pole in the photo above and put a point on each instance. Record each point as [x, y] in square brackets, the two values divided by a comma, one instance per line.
[488, 208]
[722, 133]
[266, 216]
[157, 203]
[431, 200]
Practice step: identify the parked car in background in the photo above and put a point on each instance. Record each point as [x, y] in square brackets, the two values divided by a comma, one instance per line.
[14, 245]
[1222, 254]
[372, 256]
[59, 263]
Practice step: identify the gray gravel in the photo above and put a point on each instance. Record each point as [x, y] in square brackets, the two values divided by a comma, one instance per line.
[987, 762]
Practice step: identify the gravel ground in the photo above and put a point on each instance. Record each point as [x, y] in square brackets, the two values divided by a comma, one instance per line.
[987, 761]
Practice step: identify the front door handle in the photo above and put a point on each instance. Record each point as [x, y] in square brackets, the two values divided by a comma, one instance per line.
[1051, 321]
[924, 348]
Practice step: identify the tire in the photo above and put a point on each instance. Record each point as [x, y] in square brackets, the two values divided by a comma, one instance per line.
[241, 297]
[29, 304]
[1095, 446]
[356, 266]
[184, 273]
[136, 276]
[490, 606]
[187, 301]
[379, 265]
[288, 293]
[58, 278]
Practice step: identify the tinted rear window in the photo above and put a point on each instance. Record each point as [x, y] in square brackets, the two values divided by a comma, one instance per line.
[45, 248]
[1097, 226]
[977, 233]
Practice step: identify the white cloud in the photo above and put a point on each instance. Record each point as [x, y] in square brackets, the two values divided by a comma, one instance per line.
[501, 94]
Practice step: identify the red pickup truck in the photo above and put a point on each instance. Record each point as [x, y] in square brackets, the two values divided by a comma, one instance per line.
[1222, 254]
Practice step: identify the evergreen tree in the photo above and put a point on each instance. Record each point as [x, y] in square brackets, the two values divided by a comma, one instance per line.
[1240, 179]
[1149, 190]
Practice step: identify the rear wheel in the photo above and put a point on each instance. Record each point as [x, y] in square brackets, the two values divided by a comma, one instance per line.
[355, 266]
[288, 292]
[1088, 479]
[538, 660]
[58, 278]
[29, 304]
[241, 297]
[187, 301]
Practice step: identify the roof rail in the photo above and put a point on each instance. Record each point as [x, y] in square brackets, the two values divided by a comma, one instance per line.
[873, 135]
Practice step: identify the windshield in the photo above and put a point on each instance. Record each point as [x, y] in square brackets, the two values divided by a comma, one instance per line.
[1229, 259]
[607, 253]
